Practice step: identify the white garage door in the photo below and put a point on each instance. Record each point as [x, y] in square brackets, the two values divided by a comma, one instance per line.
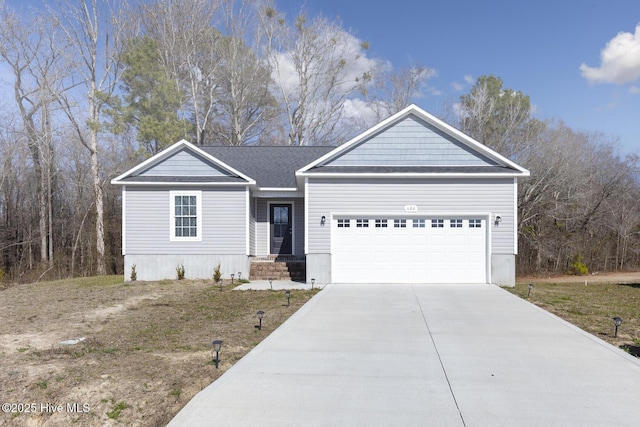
[409, 250]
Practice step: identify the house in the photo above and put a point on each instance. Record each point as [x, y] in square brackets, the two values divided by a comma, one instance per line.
[411, 200]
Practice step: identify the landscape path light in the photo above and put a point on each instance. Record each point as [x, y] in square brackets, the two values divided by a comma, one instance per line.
[617, 321]
[529, 291]
[260, 315]
[217, 344]
[232, 278]
[271, 283]
[287, 293]
[313, 281]
[239, 275]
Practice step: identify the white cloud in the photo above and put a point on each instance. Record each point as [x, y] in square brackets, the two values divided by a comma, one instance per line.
[634, 90]
[457, 86]
[620, 60]
[469, 79]
[359, 111]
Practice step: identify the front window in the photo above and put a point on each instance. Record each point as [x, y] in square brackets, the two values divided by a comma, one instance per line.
[186, 215]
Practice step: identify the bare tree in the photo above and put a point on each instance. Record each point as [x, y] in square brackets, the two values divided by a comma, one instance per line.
[94, 31]
[392, 90]
[317, 66]
[27, 47]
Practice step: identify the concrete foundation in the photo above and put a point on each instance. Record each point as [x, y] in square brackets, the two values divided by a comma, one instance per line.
[503, 269]
[159, 267]
[319, 268]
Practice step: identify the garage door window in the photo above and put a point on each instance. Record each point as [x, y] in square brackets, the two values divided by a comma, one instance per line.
[362, 223]
[437, 223]
[381, 223]
[455, 223]
[400, 223]
[344, 223]
[475, 223]
[419, 223]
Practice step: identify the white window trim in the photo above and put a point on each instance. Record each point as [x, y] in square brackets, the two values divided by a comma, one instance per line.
[172, 216]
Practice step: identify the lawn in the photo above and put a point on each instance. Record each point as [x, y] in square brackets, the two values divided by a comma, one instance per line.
[591, 305]
[145, 349]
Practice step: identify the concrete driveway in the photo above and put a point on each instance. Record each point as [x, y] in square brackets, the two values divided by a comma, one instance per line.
[423, 355]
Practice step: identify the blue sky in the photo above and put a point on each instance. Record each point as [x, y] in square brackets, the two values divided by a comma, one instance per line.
[536, 47]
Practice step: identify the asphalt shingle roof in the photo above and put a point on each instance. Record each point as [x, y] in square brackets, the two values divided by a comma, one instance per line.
[270, 166]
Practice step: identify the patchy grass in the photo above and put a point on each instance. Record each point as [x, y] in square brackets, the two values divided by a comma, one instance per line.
[147, 349]
[591, 306]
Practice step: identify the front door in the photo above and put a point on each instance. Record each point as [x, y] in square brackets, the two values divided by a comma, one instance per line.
[280, 227]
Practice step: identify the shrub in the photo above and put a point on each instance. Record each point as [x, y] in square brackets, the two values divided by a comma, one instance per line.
[579, 268]
[134, 275]
[217, 274]
[180, 271]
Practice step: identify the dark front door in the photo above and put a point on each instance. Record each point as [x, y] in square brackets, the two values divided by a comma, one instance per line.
[280, 229]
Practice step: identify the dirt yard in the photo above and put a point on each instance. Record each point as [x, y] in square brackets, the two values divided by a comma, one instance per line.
[625, 277]
[143, 349]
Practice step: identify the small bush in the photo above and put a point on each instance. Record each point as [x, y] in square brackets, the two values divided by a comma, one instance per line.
[579, 268]
[134, 275]
[180, 271]
[217, 274]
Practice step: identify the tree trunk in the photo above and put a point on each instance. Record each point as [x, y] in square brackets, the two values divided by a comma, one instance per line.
[97, 187]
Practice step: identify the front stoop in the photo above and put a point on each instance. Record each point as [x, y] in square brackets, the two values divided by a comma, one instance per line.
[278, 268]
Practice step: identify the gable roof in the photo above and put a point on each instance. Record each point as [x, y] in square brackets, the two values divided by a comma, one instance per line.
[199, 167]
[413, 143]
[270, 167]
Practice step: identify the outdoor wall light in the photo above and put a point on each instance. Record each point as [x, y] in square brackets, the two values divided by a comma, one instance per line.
[260, 315]
[287, 293]
[497, 219]
[313, 281]
[617, 321]
[529, 291]
[217, 344]
[323, 220]
[232, 278]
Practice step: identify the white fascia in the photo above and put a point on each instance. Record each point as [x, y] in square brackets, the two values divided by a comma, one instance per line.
[409, 175]
[190, 184]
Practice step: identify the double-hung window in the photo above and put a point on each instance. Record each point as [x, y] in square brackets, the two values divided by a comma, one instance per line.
[186, 215]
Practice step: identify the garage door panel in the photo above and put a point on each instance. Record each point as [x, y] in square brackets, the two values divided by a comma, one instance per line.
[440, 254]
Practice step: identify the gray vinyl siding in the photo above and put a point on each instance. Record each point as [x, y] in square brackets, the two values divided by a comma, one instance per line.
[185, 163]
[262, 225]
[390, 196]
[411, 142]
[147, 227]
[262, 228]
